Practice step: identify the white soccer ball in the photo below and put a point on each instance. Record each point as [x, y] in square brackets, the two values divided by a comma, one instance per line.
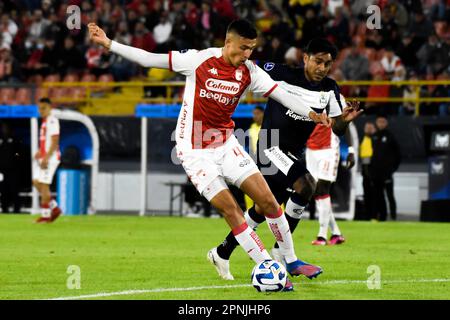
[269, 276]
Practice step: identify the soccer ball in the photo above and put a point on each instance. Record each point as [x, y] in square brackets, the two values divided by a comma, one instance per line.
[269, 276]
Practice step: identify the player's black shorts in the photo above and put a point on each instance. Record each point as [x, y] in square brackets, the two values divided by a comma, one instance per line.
[281, 171]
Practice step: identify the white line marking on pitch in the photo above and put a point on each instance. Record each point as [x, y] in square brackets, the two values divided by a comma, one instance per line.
[327, 282]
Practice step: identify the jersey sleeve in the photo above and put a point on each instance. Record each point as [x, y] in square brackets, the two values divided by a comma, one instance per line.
[337, 102]
[53, 127]
[275, 70]
[261, 82]
[183, 62]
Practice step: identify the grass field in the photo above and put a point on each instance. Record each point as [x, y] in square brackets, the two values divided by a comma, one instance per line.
[165, 258]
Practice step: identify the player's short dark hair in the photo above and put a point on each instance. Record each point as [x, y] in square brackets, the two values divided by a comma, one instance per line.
[45, 100]
[320, 45]
[244, 28]
[259, 108]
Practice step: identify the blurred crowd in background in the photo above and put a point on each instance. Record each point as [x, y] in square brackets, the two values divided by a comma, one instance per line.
[413, 42]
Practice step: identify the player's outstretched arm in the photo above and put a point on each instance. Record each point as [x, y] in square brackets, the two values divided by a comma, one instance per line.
[142, 57]
[296, 104]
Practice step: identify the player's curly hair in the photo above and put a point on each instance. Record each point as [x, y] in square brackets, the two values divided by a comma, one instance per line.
[320, 45]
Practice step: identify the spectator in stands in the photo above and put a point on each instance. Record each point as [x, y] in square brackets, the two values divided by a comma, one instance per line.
[389, 31]
[277, 50]
[374, 40]
[192, 14]
[280, 29]
[421, 27]
[162, 32]
[355, 66]
[365, 154]
[142, 38]
[38, 27]
[8, 30]
[313, 27]
[406, 49]
[9, 67]
[392, 65]
[433, 56]
[46, 64]
[56, 30]
[70, 58]
[338, 29]
[385, 161]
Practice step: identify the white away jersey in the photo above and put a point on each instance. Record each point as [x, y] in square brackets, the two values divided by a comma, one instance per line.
[213, 90]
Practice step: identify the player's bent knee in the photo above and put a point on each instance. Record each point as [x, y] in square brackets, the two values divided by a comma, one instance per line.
[305, 187]
[323, 188]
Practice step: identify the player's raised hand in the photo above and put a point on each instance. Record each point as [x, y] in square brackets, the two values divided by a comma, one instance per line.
[97, 35]
[351, 111]
[321, 118]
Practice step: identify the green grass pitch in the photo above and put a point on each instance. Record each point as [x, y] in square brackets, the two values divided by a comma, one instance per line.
[165, 258]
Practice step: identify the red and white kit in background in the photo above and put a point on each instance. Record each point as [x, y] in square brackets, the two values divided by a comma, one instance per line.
[48, 129]
[206, 145]
[322, 154]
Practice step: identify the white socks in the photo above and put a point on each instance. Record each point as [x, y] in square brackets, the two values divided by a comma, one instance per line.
[326, 217]
[250, 242]
[280, 229]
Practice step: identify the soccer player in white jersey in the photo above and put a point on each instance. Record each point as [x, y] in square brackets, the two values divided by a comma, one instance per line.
[47, 159]
[216, 79]
[322, 161]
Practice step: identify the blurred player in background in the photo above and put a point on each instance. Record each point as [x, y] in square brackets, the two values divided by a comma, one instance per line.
[46, 161]
[292, 184]
[322, 161]
[216, 79]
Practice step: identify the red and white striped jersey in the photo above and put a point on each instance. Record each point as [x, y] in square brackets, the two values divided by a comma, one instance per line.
[212, 93]
[49, 128]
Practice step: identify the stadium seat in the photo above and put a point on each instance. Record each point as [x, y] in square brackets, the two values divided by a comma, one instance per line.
[106, 78]
[88, 78]
[23, 96]
[58, 92]
[52, 78]
[7, 96]
[71, 78]
[41, 93]
[77, 92]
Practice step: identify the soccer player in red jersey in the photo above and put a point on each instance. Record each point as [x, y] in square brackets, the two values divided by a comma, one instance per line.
[216, 79]
[46, 161]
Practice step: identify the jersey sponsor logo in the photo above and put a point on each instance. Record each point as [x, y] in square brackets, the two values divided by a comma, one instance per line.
[295, 116]
[222, 86]
[213, 71]
[238, 75]
[279, 159]
[218, 97]
[269, 66]
[323, 100]
[183, 121]
[244, 163]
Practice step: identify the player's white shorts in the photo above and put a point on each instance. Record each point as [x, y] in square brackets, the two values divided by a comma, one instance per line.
[44, 175]
[228, 163]
[323, 164]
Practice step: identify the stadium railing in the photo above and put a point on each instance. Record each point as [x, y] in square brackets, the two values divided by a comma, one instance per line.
[85, 93]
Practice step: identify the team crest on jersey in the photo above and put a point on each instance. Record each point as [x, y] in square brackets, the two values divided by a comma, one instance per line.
[269, 66]
[238, 75]
[323, 100]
